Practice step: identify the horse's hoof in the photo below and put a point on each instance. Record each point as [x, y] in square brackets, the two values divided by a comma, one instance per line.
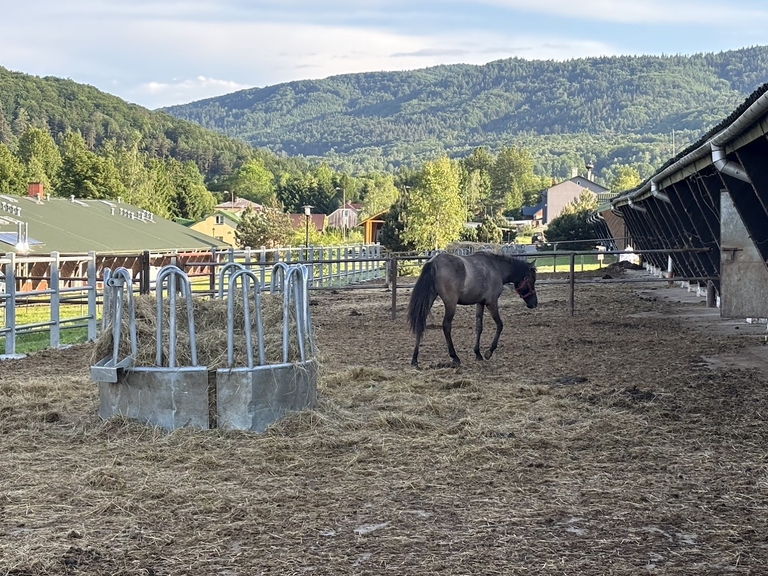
[478, 356]
[456, 363]
[488, 355]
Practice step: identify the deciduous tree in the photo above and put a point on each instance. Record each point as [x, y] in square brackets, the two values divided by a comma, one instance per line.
[435, 212]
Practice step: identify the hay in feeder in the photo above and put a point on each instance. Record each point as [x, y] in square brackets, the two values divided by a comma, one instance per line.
[210, 320]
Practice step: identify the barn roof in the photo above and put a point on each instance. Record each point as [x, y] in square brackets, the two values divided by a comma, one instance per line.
[76, 226]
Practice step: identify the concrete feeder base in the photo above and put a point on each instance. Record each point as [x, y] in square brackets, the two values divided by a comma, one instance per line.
[254, 398]
[246, 398]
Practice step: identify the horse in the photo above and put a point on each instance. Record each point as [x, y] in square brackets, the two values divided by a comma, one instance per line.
[475, 279]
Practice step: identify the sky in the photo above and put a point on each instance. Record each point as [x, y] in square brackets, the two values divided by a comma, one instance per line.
[160, 53]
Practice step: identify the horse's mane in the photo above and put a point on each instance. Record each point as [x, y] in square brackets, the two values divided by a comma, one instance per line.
[508, 258]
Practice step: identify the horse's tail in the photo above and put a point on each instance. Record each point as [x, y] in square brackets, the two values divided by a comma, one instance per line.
[422, 298]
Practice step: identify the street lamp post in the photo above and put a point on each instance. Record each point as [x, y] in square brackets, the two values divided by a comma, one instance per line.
[307, 214]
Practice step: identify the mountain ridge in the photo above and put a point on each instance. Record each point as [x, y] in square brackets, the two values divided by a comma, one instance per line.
[381, 120]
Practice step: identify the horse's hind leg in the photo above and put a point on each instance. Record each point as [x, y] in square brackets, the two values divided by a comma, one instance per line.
[494, 310]
[479, 309]
[450, 311]
[415, 357]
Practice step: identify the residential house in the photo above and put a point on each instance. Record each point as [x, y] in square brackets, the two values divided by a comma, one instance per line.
[557, 196]
[344, 217]
[239, 205]
[222, 225]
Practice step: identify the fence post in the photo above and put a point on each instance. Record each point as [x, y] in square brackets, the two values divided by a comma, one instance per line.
[263, 271]
[320, 267]
[571, 281]
[346, 267]
[212, 272]
[393, 273]
[55, 300]
[10, 304]
[145, 268]
[91, 279]
[311, 267]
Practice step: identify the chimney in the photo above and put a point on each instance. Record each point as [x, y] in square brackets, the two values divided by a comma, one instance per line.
[574, 171]
[71, 197]
[35, 190]
[589, 168]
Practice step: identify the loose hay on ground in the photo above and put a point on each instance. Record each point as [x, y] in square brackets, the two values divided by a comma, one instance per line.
[653, 464]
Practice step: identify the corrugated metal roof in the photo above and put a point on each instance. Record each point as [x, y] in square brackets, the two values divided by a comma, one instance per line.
[84, 225]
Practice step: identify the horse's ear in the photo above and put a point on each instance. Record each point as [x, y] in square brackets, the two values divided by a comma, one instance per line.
[532, 263]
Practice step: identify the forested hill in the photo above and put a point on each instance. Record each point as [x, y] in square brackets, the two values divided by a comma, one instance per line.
[58, 105]
[612, 109]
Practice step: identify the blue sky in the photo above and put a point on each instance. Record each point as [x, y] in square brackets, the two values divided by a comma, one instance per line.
[158, 53]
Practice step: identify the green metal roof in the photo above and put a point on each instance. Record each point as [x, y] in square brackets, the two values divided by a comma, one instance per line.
[61, 225]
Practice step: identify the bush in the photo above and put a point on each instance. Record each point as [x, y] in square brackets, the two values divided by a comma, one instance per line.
[489, 232]
[571, 228]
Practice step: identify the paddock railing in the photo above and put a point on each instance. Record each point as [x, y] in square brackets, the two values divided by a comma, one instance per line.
[43, 296]
[47, 295]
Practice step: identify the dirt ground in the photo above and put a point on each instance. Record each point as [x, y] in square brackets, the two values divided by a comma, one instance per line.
[611, 442]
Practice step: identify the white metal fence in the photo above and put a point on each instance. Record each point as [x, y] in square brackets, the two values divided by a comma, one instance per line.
[35, 289]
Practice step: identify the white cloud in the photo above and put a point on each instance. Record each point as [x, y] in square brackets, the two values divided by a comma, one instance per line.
[162, 53]
[187, 90]
[643, 11]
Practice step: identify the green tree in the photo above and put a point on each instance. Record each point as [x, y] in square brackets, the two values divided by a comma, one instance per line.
[512, 178]
[253, 181]
[586, 201]
[489, 231]
[379, 193]
[84, 174]
[391, 236]
[191, 198]
[435, 212]
[626, 178]
[269, 227]
[12, 180]
[571, 227]
[37, 144]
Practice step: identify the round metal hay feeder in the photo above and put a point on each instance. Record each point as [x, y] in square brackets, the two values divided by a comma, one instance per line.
[249, 397]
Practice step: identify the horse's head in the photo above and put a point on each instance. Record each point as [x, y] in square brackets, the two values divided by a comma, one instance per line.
[526, 286]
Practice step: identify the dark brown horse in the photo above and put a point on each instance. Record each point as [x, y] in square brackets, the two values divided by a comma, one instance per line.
[475, 279]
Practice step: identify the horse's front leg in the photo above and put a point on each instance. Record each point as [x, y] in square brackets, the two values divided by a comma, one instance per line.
[494, 310]
[479, 309]
[450, 311]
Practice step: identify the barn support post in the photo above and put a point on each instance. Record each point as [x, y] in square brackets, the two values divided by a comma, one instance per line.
[10, 304]
[91, 282]
[393, 280]
[711, 300]
[55, 300]
[571, 281]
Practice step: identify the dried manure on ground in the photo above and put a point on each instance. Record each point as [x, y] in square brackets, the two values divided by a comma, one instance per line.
[609, 442]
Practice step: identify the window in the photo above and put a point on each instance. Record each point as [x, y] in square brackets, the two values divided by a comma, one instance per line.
[219, 219]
